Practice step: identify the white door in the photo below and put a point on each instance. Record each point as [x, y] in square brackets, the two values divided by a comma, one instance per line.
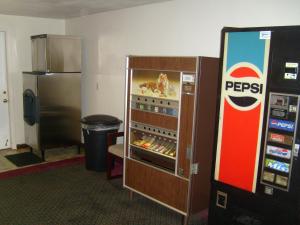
[4, 112]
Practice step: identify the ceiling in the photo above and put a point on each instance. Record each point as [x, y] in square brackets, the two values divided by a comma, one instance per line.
[63, 9]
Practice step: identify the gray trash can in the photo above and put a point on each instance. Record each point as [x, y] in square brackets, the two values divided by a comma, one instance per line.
[95, 129]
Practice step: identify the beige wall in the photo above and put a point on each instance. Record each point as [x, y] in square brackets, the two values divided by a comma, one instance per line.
[179, 27]
[18, 47]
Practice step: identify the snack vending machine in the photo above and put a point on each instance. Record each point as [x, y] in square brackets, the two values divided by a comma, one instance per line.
[169, 127]
[256, 176]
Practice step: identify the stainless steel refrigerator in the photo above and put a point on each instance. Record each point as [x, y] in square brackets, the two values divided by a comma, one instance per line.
[52, 93]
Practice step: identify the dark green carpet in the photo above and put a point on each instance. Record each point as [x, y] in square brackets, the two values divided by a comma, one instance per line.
[24, 159]
[75, 196]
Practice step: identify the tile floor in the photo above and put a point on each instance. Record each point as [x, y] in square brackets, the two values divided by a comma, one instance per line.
[52, 155]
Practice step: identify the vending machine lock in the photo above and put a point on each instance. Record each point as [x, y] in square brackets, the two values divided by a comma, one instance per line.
[194, 168]
[180, 171]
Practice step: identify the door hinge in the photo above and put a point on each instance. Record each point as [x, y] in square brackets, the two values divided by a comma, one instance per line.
[194, 168]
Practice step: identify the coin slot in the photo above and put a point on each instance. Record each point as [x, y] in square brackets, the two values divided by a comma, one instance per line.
[221, 199]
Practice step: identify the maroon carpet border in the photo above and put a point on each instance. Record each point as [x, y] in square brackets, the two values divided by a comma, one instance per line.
[41, 167]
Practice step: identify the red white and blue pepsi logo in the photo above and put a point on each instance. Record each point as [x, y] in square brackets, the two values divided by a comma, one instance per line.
[282, 125]
[279, 152]
[243, 87]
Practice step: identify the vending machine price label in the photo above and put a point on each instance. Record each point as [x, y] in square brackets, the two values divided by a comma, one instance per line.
[293, 108]
[291, 71]
[190, 78]
[265, 35]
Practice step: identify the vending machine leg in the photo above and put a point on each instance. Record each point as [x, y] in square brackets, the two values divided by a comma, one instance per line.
[184, 220]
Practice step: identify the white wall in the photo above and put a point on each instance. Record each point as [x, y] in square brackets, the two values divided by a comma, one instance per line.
[179, 27]
[18, 47]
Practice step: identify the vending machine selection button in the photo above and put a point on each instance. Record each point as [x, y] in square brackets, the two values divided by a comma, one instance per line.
[277, 165]
[279, 152]
[279, 101]
[280, 113]
[267, 176]
[281, 180]
[282, 125]
[280, 138]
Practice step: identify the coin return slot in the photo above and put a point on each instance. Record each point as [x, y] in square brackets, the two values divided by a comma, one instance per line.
[221, 199]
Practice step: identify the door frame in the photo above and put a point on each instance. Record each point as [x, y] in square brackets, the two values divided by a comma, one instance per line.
[3, 44]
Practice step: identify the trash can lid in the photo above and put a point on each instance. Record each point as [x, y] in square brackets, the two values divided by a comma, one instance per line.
[101, 119]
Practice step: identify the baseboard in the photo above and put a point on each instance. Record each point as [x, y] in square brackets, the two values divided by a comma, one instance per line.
[20, 146]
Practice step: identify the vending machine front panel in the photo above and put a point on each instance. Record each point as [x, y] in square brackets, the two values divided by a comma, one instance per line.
[243, 89]
[256, 177]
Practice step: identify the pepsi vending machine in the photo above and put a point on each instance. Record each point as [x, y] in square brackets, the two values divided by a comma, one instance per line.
[256, 177]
